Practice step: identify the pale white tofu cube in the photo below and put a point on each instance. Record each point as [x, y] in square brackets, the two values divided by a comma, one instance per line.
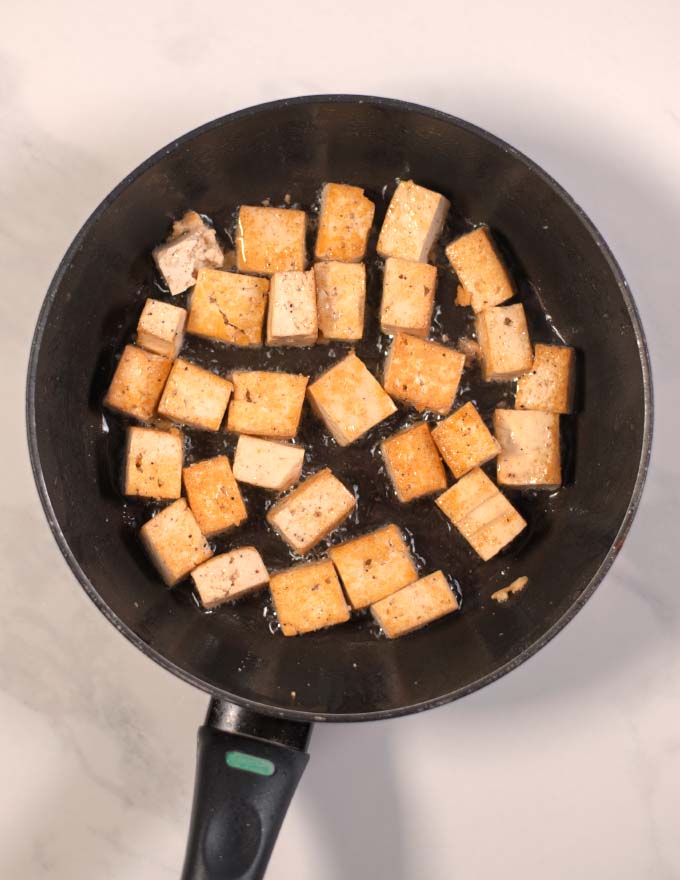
[415, 605]
[504, 340]
[291, 319]
[267, 463]
[174, 541]
[480, 270]
[138, 383]
[266, 403]
[549, 384]
[228, 307]
[414, 219]
[530, 449]
[307, 598]
[153, 463]
[407, 297]
[344, 223]
[464, 440]
[194, 396]
[424, 374]
[229, 576]
[340, 300]
[192, 246]
[270, 240]
[161, 328]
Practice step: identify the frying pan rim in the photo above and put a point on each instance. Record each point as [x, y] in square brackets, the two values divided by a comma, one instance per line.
[88, 586]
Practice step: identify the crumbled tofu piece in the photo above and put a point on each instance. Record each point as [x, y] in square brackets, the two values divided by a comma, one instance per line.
[349, 400]
[415, 605]
[407, 297]
[481, 513]
[229, 576]
[311, 511]
[549, 385]
[270, 240]
[515, 587]
[504, 340]
[463, 297]
[267, 404]
[340, 300]
[228, 307]
[175, 542]
[194, 396]
[308, 597]
[344, 223]
[464, 440]
[373, 566]
[291, 319]
[480, 270]
[161, 328]
[424, 374]
[267, 463]
[192, 246]
[214, 495]
[413, 463]
[530, 448]
[470, 348]
[138, 383]
[153, 463]
[414, 219]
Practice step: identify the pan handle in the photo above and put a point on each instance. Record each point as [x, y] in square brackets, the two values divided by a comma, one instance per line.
[247, 771]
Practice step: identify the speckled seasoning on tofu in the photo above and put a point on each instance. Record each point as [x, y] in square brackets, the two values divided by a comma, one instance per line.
[480, 270]
[407, 297]
[307, 598]
[229, 576]
[214, 496]
[340, 300]
[266, 403]
[504, 340]
[415, 605]
[464, 440]
[153, 463]
[530, 449]
[228, 307]
[414, 219]
[138, 383]
[174, 541]
[270, 240]
[191, 246]
[413, 463]
[291, 319]
[268, 464]
[194, 396]
[424, 374]
[549, 385]
[161, 328]
[345, 221]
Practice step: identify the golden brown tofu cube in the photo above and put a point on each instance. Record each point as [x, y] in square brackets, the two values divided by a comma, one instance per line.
[291, 319]
[175, 542]
[504, 340]
[161, 328]
[138, 383]
[308, 597]
[267, 463]
[413, 463]
[214, 495]
[549, 384]
[530, 448]
[192, 246]
[194, 396]
[153, 463]
[340, 300]
[270, 240]
[424, 374]
[267, 404]
[464, 440]
[229, 576]
[228, 307]
[311, 511]
[415, 605]
[344, 223]
[407, 297]
[373, 566]
[414, 219]
[349, 400]
[481, 513]
[484, 278]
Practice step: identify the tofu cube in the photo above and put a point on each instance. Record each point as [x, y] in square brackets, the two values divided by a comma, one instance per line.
[228, 307]
[414, 219]
[175, 542]
[161, 328]
[464, 440]
[340, 300]
[308, 597]
[153, 463]
[349, 400]
[214, 495]
[415, 605]
[311, 511]
[484, 278]
[138, 383]
[481, 513]
[229, 576]
[192, 246]
[504, 340]
[344, 223]
[413, 463]
[530, 448]
[270, 240]
[267, 404]
[407, 297]
[549, 384]
[267, 463]
[424, 374]
[373, 566]
[194, 396]
[291, 319]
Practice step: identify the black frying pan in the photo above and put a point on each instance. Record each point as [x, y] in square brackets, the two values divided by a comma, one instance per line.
[267, 689]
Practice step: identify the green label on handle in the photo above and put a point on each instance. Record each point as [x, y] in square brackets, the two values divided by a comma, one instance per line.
[249, 763]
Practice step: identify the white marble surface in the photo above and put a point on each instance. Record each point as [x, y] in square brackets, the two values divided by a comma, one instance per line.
[568, 767]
